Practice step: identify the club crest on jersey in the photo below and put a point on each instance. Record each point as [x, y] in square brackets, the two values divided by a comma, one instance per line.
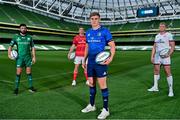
[99, 34]
[28, 39]
[18, 39]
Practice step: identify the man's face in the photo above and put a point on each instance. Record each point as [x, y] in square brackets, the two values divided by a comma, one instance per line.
[162, 27]
[23, 29]
[81, 31]
[95, 21]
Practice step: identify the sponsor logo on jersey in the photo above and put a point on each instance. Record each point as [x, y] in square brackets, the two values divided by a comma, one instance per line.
[95, 41]
[81, 42]
[23, 37]
[23, 43]
[160, 41]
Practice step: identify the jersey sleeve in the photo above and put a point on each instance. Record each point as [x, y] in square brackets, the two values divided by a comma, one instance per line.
[155, 39]
[170, 37]
[74, 41]
[87, 37]
[108, 36]
[13, 41]
[32, 43]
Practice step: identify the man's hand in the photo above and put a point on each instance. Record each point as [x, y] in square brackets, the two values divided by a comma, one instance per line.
[84, 66]
[108, 61]
[91, 82]
[9, 56]
[34, 60]
[152, 60]
[68, 56]
[9, 52]
[167, 55]
[71, 50]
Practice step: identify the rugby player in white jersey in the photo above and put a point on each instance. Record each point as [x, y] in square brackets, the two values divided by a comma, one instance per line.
[163, 40]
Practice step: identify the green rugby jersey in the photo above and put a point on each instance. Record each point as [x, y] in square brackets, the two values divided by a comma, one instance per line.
[24, 44]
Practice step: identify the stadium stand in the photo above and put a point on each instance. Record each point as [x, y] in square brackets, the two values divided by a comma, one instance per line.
[46, 28]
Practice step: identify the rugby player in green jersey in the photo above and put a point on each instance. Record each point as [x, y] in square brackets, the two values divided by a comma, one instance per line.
[26, 56]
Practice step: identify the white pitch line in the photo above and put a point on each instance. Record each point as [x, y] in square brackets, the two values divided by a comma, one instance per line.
[6, 81]
[48, 76]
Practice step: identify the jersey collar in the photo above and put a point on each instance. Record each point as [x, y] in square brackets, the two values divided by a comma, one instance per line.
[97, 29]
[22, 35]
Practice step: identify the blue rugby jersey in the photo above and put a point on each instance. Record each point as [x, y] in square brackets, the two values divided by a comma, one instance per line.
[97, 40]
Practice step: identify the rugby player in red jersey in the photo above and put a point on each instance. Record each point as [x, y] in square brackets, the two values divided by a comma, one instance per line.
[79, 43]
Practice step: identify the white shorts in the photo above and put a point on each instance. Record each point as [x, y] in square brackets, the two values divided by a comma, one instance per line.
[78, 60]
[163, 61]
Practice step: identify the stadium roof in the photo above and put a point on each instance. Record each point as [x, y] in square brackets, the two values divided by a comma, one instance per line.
[112, 11]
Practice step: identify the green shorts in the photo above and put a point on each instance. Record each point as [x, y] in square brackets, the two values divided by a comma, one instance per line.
[24, 61]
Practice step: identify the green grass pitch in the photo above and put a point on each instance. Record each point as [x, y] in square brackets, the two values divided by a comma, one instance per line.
[130, 75]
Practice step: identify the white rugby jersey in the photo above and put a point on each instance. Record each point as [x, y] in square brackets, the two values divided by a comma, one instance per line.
[162, 41]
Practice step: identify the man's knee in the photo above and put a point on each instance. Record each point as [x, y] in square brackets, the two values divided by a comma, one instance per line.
[18, 71]
[102, 82]
[28, 70]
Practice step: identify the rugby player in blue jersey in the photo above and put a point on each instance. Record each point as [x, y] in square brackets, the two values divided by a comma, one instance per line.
[97, 38]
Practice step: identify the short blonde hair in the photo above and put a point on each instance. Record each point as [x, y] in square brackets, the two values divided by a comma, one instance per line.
[163, 23]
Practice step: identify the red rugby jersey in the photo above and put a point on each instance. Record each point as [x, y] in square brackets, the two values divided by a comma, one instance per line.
[80, 43]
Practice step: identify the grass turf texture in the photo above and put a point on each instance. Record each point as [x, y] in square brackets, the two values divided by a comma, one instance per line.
[130, 75]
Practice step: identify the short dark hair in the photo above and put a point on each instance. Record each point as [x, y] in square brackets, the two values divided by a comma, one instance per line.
[94, 14]
[22, 25]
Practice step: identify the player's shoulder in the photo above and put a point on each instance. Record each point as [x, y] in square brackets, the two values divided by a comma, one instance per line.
[28, 36]
[76, 36]
[16, 35]
[157, 35]
[168, 34]
[89, 30]
[104, 30]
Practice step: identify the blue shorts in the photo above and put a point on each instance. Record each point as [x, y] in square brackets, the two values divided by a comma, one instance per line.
[96, 70]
